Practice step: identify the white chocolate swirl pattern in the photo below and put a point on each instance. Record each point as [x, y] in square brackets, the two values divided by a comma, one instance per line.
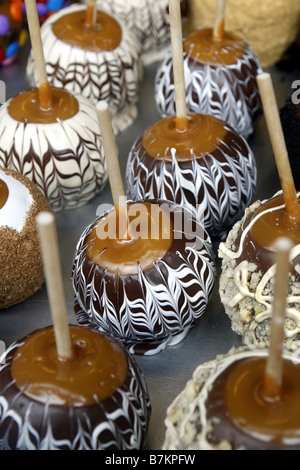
[154, 308]
[65, 159]
[119, 422]
[229, 93]
[113, 76]
[247, 287]
[188, 426]
[217, 186]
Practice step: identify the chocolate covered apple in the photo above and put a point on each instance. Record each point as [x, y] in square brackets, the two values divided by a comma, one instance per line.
[223, 407]
[248, 270]
[97, 400]
[99, 60]
[220, 79]
[205, 166]
[20, 261]
[148, 284]
[59, 149]
[65, 387]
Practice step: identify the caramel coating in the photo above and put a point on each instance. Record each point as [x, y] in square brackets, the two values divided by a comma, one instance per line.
[202, 47]
[73, 29]
[274, 421]
[3, 193]
[148, 238]
[201, 136]
[26, 107]
[274, 223]
[98, 367]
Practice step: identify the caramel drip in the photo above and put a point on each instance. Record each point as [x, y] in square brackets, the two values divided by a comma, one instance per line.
[72, 28]
[274, 224]
[275, 420]
[3, 193]
[220, 31]
[149, 237]
[201, 135]
[98, 367]
[26, 107]
[201, 46]
[45, 96]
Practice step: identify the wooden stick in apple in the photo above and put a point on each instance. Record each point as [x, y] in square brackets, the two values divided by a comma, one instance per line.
[279, 147]
[45, 95]
[50, 254]
[274, 369]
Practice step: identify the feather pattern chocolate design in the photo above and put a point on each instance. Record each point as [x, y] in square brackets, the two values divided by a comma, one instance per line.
[154, 308]
[65, 158]
[229, 92]
[119, 422]
[217, 186]
[113, 76]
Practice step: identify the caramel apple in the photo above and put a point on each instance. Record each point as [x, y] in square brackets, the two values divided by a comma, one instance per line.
[220, 79]
[100, 61]
[205, 166]
[223, 407]
[248, 269]
[96, 400]
[20, 260]
[58, 148]
[148, 20]
[146, 285]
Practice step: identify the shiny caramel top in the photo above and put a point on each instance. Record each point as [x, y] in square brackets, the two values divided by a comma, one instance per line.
[147, 237]
[273, 421]
[25, 107]
[98, 367]
[73, 29]
[202, 47]
[202, 135]
[3, 193]
[273, 223]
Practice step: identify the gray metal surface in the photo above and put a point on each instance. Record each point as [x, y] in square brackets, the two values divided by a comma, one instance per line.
[166, 373]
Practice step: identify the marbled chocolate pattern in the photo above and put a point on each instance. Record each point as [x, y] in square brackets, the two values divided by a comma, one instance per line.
[113, 76]
[154, 308]
[229, 93]
[217, 186]
[120, 422]
[65, 159]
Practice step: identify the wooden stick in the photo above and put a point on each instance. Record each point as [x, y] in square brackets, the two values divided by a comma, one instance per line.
[50, 254]
[178, 67]
[45, 94]
[273, 373]
[113, 166]
[218, 31]
[90, 13]
[272, 117]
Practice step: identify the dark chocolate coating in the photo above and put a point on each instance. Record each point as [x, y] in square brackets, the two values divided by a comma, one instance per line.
[218, 185]
[148, 310]
[119, 422]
